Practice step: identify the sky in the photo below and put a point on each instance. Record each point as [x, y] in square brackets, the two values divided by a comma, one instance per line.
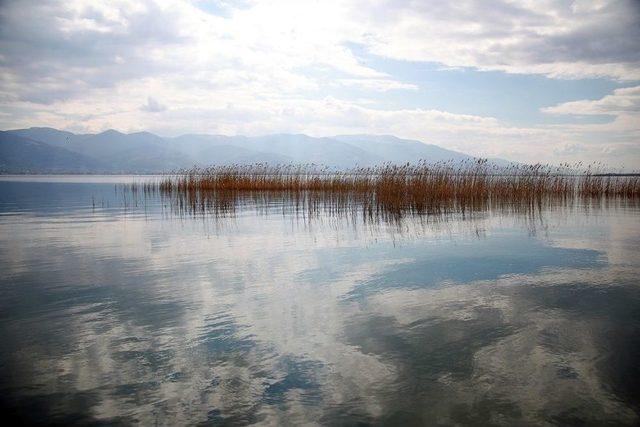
[530, 81]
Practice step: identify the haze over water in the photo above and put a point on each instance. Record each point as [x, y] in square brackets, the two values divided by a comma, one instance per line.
[121, 310]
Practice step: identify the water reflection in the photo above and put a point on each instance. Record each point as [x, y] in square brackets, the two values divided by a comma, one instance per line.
[134, 314]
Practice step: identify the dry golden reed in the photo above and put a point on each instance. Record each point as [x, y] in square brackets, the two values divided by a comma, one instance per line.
[392, 189]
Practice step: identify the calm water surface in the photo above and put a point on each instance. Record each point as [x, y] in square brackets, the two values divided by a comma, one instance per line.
[118, 311]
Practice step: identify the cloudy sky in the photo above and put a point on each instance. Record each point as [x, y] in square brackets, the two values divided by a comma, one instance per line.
[535, 80]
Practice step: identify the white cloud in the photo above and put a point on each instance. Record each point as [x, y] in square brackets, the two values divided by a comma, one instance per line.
[617, 139]
[93, 66]
[621, 102]
[554, 38]
[381, 85]
[153, 106]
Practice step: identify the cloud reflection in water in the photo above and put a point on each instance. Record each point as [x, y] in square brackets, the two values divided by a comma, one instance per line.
[142, 316]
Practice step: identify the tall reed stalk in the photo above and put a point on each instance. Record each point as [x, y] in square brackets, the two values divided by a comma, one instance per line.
[418, 188]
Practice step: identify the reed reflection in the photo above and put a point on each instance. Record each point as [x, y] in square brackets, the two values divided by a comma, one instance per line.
[387, 193]
[297, 314]
[421, 194]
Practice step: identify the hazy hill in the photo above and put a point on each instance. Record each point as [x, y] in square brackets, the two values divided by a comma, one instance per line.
[135, 152]
[280, 148]
[221, 149]
[306, 149]
[18, 155]
[113, 151]
[396, 150]
[55, 137]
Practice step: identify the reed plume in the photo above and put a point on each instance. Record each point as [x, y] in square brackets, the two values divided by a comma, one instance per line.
[394, 189]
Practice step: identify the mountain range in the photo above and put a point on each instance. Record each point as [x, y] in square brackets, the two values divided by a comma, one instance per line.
[47, 150]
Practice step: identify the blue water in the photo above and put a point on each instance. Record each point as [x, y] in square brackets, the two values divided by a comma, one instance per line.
[114, 309]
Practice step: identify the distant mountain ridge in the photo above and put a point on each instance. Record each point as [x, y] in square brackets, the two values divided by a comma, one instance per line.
[48, 150]
[19, 154]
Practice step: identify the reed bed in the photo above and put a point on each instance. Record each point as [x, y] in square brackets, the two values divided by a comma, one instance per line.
[391, 189]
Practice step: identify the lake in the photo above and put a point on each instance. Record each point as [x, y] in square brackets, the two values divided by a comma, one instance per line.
[117, 308]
